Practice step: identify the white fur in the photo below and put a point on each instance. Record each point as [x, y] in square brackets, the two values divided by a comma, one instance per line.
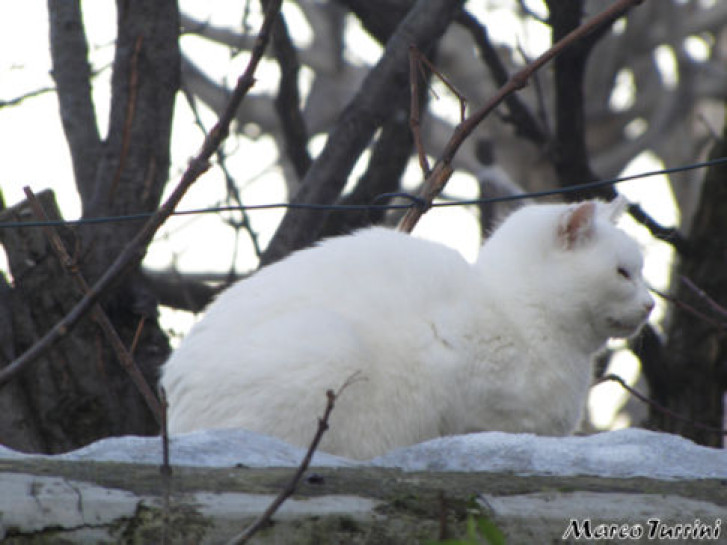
[442, 346]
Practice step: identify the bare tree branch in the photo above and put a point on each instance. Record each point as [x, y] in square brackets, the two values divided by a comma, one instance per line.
[182, 292]
[30, 94]
[669, 235]
[387, 164]
[442, 170]
[379, 17]
[371, 106]
[660, 408]
[135, 250]
[526, 124]
[233, 192]
[217, 34]
[571, 157]
[72, 74]
[287, 102]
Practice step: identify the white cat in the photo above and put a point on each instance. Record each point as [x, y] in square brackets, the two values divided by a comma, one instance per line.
[442, 346]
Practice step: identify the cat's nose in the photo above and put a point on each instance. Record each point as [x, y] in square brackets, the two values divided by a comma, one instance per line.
[649, 306]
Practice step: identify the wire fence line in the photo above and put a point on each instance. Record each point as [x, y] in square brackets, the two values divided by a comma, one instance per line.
[413, 201]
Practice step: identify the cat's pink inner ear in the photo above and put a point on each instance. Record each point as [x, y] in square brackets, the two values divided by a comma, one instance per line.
[577, 224]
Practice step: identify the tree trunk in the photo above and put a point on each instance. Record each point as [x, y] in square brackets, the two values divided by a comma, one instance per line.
[691, 376]
[76, 392]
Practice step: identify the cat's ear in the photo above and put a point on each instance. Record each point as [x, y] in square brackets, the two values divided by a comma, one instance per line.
[615, 208]
[577, 225]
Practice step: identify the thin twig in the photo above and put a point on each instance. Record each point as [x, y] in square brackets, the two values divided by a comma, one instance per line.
[422, 60]
[525, 122]
[165, 469]
[291, 487]
[657, 406]
[376, 100]
[414, 110]
[690, 309]
[31, 94]
[417, 62]
[442, 170]
[704, 296]
[135, 250]
[233, 194]
[98, 314]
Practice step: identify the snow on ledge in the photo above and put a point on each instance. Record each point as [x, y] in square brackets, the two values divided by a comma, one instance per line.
[623, 453]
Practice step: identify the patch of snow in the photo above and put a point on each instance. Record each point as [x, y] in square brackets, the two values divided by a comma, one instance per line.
[207, 448]
[623, 453]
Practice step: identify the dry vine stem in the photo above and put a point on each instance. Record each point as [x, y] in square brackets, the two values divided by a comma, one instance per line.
[440, 174]
[135, 250]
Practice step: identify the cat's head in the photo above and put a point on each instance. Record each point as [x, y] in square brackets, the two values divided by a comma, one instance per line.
[574, 263]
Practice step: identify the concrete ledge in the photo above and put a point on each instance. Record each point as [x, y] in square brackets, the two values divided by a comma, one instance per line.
[52, 501]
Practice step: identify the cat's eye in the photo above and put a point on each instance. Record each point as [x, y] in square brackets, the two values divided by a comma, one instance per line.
[624, 273]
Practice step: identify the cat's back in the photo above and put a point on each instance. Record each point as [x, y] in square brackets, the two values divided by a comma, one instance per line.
[375, 267]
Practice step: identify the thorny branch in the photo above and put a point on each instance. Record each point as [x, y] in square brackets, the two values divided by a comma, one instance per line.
[442, 170]
[291, 487]
[125, 358]
[134, 251]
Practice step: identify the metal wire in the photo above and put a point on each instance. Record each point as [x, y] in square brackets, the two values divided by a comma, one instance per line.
[413, 201]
